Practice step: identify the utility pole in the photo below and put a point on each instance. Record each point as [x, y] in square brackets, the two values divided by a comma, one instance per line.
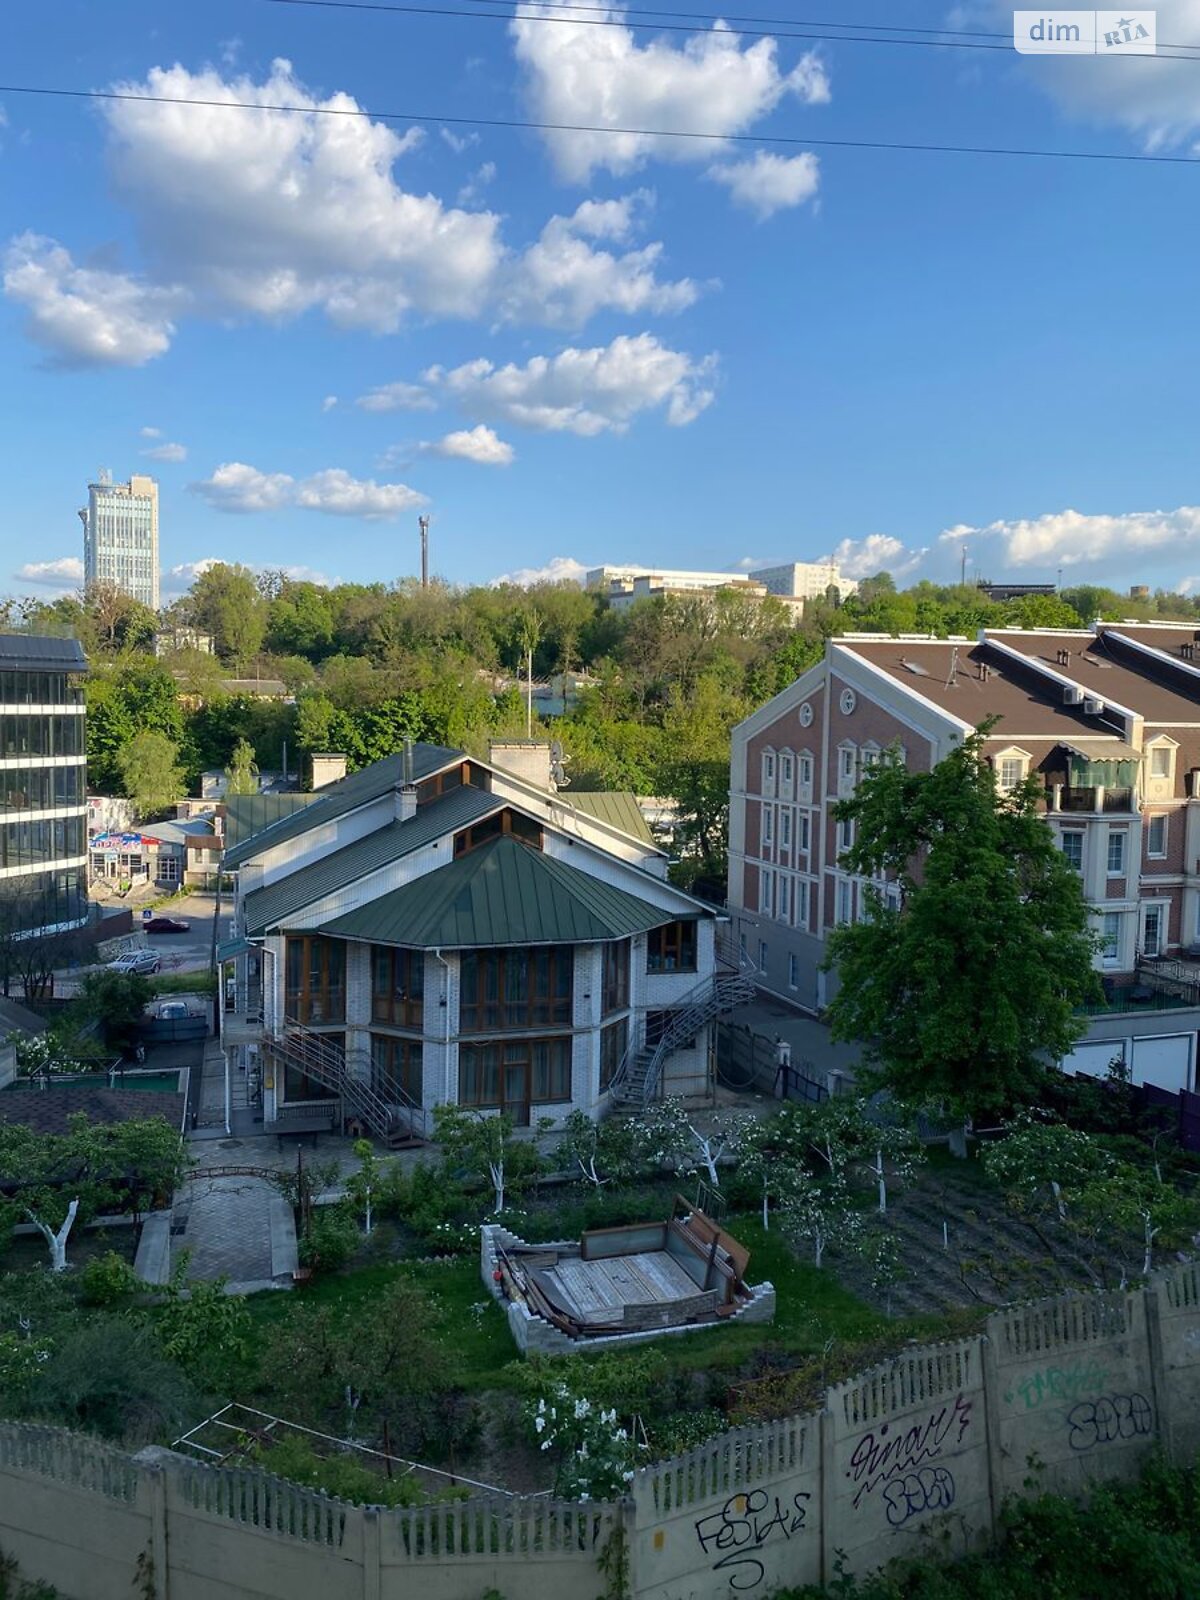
[423, 524]
[529, 693]
[963, 580]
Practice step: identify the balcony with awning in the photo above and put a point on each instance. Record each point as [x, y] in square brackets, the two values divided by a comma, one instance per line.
[1101, 775]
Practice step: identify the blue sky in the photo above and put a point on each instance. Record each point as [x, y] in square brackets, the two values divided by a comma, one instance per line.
[584, 348]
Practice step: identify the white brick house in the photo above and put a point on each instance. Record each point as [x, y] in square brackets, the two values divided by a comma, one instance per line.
[441, 929]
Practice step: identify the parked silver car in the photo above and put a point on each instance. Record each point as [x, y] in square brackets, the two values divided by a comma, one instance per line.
[143, 962]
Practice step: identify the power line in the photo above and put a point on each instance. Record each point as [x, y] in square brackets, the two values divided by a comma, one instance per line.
[785, 30]
[790, 140]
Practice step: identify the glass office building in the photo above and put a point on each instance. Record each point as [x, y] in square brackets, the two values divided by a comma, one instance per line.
[43, 779]
[120, 537]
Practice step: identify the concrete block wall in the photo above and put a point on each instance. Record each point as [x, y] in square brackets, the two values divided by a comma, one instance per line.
[928, 1444]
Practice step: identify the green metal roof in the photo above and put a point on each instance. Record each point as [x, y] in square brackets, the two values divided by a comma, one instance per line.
[247, 814]
[347, 795]
[617, 807]
[266, 908]
[504, 893]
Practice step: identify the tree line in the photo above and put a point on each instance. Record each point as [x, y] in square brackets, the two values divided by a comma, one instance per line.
[365, 666]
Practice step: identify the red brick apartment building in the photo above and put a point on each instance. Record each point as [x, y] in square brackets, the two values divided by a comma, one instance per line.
[1109, 721]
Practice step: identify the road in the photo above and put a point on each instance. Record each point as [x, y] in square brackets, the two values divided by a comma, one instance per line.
[179, 952]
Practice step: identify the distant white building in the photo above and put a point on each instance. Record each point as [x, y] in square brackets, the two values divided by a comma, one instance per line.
[804, 580]
[120, 536]
[795, 582]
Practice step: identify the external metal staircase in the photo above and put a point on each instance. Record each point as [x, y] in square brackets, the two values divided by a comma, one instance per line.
[637, 1079]
[395, 1118]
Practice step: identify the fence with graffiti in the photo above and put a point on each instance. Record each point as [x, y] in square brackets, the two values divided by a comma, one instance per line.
[1081, 1386]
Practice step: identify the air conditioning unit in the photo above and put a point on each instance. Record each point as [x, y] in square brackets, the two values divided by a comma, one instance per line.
[1072, 695]
[1092, 706]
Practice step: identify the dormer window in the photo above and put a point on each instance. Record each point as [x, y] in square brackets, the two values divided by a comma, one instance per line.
[847, 768]
[1162, 760]
[1011, 767]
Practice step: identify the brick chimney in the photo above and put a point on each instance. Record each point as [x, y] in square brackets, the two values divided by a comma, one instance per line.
[524, 758]
[327, 768]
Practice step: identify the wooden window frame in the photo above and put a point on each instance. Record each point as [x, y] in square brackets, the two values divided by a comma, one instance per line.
[679, 939]
[499, 1009]
[389, 1052]
[515, 1052]
[400, 1001]
[299, 998]
[506, 824]
[614, 1041]
[615, 966]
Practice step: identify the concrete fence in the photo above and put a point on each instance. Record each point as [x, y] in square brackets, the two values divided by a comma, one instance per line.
[1074, 1389]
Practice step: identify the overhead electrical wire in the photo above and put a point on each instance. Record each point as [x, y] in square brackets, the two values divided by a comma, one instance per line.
[779, 28]
[790, 140]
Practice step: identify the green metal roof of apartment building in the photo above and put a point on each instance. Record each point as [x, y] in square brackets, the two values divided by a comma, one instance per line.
[503, 893]
[266, 908]
[617, 807]
[347, 795]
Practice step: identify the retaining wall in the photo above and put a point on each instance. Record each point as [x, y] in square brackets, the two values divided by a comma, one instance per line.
[1085, 1386]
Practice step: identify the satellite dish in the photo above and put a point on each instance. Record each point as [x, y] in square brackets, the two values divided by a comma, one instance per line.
[558, 765]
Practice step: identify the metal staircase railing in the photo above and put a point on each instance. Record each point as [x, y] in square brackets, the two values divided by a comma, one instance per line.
[636, 1081]
[324, 1061]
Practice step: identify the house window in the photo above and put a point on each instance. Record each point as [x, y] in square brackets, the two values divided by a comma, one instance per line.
[516, 988]
[1156, 836]
[768, 772]
[509, 1074]
[298, 1085]
[613, 1042]
[847, 768]
[397, 986]
[802, 832]
[614, 988]
[1160, 761]
[1152, 930]
[1011, 772]
[315, 983]
[503, 824]
[804, 773]
[671, 948]
[785, 829]
[1116, 852]
[800, 908]
[843, 910]
[845, 833]
[1110, 938]
[768, 826]
[793, 972]
[786, 769]
[869, 757]
[168, 869]
[1072, 849]
[396, 1069]
[762, 957]
[766, 892]
[783, 904]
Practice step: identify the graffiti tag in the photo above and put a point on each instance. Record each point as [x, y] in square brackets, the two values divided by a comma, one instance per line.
[881, 1457]
[1111, 1417]
[1059, 1383]
[929, 1489]
[743, 1526]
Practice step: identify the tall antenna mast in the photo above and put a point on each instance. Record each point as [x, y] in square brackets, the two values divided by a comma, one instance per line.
[423, 524]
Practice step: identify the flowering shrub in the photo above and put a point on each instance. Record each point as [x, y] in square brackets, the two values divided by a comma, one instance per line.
[596, 1456]
[451, 1238]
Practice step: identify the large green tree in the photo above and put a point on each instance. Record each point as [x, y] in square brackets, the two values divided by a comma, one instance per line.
[965, 991]
[227, 602]
[151, 773]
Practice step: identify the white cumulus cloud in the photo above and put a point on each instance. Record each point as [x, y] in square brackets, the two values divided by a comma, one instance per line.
[166, 452]
[240, 488]
[86, 316]
[585, 392]
[769, 183]
[1067, 538]
[478, 444]
[396, 397]
[601, 76]
[64, 572]
[564, 279]
[559, 569]
[275, 215]
[878, 552]
[329, 402]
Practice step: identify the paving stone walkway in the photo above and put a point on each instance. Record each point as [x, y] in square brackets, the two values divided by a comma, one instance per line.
[225, 1224]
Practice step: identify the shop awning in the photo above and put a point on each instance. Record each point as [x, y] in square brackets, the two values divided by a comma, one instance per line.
[228, 949]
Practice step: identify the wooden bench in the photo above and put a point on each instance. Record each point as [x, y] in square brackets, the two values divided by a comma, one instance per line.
[304, 1121]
